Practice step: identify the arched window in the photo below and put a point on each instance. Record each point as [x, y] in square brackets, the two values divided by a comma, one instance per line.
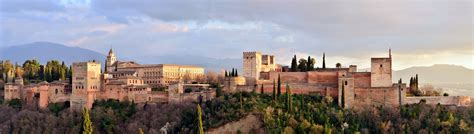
[56, 91]
[345, 82]
[381, 65]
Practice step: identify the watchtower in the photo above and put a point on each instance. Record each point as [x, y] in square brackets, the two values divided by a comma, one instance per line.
[381, 71]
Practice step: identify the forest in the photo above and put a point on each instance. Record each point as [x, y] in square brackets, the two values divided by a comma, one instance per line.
[282, 113]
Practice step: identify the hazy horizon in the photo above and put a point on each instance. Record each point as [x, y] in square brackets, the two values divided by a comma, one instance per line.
[420, 33]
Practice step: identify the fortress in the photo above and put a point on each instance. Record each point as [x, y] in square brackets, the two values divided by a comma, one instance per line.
[127, 80]
[121, 81]
[351, 88]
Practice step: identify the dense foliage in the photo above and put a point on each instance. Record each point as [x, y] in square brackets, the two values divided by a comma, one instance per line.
[288, 113]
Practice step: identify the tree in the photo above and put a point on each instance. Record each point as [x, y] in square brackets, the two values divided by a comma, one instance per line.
[236, 73]
[274, 91]
[261, 90]
[289, 100]
[302, 65]
[324, 60]
[225, 73]
[86, 124]
[232, 74]
[32, 68]
[278, 86]
[294, 65]
[199, 117]
[140, 131]
[416, 82]
[310, 64]
[218, 90]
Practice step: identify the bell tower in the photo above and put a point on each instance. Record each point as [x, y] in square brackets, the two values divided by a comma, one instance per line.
[110, 61]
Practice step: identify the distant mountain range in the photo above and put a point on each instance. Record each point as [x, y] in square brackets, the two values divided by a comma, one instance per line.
[439, 74]
[45, 51]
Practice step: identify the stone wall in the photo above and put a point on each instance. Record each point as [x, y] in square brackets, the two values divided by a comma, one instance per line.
[443, 100]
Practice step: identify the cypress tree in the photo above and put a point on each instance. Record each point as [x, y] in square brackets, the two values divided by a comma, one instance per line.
[302, 102]
[199, 117]
[278, 86]
[233, 73]
[342, 96]
[86, 124]
[308, 64]
[294, 64]
[241, 101]
[324, 60]
[288, 99]
[225, 74]
[261, 90]
[218, 90]
[274, 90]
[416, 81]
[236, 73]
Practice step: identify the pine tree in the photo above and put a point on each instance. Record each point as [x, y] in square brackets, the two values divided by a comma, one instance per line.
[261, 90]
[278, 86]
[324, 60]
[199, 117]
[86, 124]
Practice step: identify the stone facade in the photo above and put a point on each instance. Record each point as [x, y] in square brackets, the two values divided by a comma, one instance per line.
[352, 89]
[86, 83]
[155, 75]
[123, 81]
[254, 63]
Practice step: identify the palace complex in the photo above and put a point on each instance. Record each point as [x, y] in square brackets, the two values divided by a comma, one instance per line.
[351, 88]
[120, 81]
[128, 80]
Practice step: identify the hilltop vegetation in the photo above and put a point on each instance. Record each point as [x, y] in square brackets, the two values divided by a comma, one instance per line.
[294, 114]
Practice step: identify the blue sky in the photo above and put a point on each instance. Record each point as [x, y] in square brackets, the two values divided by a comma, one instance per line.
[420, 32]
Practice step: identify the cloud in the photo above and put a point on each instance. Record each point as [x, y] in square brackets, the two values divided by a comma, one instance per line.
[351, 31]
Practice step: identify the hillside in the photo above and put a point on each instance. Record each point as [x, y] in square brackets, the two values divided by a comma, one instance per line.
[439, 73]
[45, 51]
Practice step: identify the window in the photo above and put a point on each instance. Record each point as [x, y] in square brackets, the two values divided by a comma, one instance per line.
[345, 82]
[56, 91]
[381, 65]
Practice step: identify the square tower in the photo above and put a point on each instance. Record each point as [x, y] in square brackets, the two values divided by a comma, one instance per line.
[381, 72]
[86, 82]
[252, 64]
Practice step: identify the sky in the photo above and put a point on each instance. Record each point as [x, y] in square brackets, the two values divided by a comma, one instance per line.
[419, 32]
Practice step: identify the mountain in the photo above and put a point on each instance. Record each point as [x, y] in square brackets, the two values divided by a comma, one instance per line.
[453, 79]
[45, 51]
[439, 73]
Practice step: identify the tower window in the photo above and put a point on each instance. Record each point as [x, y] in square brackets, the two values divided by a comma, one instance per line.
[381, 65]
[345, 83]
